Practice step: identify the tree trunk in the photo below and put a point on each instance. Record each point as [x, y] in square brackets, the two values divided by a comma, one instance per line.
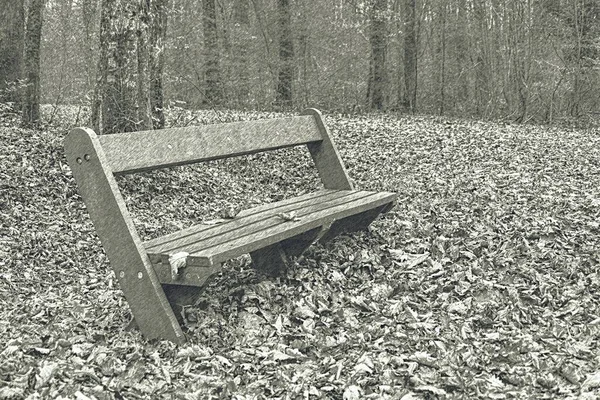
[212, 78]
[144, 116]
[119, 113]
[462, 44]
[89, 15]
[158, 37]
[377, 72]
[303, 59]
[122, 94]
[241, 19]
[284, 97]
[410, 57]
[12, 23]
[31, 70]
[102, 68]
[442, 99]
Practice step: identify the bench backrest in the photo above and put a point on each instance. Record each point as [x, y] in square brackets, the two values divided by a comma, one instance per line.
[130, 152]
[145, 150]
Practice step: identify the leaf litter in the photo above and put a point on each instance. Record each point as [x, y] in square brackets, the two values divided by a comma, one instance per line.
[483, 282]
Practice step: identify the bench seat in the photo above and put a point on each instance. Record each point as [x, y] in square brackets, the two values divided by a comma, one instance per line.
[262, 226]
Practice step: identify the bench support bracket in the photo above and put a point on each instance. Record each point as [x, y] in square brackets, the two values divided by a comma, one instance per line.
[296, 245]
[270, 260]
[358, 222]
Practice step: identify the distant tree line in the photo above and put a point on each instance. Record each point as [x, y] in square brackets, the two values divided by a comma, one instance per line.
[520, 60]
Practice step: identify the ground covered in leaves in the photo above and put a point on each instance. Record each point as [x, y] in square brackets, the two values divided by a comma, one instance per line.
[483, 282]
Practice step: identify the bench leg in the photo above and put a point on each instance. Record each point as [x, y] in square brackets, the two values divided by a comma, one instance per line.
[354, 223]
[296, 245]
[178, 296]
[122, 244]
[271, 260]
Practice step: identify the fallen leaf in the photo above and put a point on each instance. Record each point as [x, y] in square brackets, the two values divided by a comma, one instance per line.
[11, 393]
[46, 373]
[431, 389]
[229, 212]
[591, 382]
[291, 216]
[352, 392]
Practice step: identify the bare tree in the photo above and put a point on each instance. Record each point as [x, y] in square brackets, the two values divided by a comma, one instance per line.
[516, 59]
[31, 70]
[12, 20]
[377, 68]
[144, 114]
[410, 57]
[158, 38]
[212, 81]
[129, 80]
[285, 77]
[89, 17]
[241, 33]
[443, 13]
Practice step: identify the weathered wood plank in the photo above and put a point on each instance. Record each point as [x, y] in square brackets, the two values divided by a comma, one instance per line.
[326, 157]
[119, 238]
[269, 233]
[250, 226]
[246, 216]
[146, 150]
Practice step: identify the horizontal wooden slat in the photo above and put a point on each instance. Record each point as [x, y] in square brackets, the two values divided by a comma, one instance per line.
[247, 226]
[192, 234]
[284, 230]
[216, 244]
[146, 150]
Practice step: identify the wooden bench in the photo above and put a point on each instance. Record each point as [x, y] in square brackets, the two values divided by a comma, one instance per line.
[142, 268]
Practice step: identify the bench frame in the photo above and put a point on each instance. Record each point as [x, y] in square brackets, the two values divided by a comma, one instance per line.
[94, 161]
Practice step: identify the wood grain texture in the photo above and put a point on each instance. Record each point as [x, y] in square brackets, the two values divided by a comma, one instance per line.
[281, 231]
[266, 228]
[146, 150]
[326, 157]
[181, 239]
[248, 225]
[119, 238]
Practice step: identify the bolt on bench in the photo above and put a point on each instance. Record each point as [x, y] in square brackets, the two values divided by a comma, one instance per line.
[142, 268]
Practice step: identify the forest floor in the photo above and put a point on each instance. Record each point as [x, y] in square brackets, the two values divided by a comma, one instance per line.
[483, 282]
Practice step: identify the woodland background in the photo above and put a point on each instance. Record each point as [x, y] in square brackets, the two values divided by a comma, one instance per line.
[518, 60]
